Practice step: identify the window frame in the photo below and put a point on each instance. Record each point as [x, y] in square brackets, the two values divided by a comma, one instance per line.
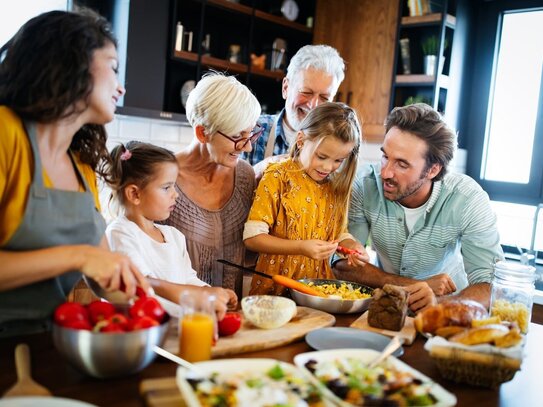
[486, 37]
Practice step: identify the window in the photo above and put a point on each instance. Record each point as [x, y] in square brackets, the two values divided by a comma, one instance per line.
[14, 14]
[504, 129]
[513, 105]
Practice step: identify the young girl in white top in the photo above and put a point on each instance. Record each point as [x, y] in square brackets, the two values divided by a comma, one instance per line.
[299, 212]
[142, 178]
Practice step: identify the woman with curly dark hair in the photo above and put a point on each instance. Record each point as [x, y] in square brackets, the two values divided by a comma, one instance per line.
[58, 88]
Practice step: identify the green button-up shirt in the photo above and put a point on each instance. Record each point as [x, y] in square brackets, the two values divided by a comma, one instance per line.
[456, 235]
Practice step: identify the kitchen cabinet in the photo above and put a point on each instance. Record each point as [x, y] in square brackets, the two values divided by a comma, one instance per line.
[415, 84]
[219, 27]
[364, 33]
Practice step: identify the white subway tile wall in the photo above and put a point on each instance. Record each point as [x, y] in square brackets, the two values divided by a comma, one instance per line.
[171, 135]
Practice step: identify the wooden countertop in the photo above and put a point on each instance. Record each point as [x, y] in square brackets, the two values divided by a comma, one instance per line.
[50, 370]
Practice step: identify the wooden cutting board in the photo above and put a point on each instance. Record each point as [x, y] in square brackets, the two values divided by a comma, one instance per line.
[250, 338]
[161, 392]
[407, 333]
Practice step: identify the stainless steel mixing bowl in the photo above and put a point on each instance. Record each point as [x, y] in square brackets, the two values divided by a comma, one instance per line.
[106, 355]
[332, 305]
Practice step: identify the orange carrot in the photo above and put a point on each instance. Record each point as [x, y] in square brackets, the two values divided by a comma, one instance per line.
[296, 285]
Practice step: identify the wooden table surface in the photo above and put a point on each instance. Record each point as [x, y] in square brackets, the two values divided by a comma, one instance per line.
[50, 370]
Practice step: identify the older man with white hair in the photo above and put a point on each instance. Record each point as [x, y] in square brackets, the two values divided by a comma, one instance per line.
[313, 77]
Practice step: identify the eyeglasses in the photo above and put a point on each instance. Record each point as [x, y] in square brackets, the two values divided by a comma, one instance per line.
[242, 142]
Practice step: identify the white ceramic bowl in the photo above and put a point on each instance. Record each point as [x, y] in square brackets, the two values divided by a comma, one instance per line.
[268, 311]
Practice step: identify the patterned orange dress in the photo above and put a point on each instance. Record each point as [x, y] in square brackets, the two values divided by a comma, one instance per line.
[294, 207]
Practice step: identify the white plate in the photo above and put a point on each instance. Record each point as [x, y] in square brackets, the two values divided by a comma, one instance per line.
[339, 338]
[230, 366]
[444, 398]
[42, 402]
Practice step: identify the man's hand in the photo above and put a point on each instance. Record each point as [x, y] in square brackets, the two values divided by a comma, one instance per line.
[421, 296]
[441, 284]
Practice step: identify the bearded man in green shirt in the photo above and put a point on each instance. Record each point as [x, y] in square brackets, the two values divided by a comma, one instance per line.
[433, 231]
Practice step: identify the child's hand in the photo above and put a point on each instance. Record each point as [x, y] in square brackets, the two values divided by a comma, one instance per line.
[317, 249]
[354, 252]
[224, 299]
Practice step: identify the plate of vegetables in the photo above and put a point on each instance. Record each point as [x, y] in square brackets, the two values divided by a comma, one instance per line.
[249, 382]
[346, 378]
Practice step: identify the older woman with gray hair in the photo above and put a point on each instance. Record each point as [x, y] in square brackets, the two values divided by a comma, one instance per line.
[215, 186]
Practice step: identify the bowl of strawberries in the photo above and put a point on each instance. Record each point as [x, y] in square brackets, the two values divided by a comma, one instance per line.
[105, 340]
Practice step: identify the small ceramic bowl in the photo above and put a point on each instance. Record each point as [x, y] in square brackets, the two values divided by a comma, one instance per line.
[268, 311]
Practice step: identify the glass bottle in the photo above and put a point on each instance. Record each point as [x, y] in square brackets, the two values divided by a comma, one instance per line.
[512, 293]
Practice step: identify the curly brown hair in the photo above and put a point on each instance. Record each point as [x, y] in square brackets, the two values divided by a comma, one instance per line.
[45, 72]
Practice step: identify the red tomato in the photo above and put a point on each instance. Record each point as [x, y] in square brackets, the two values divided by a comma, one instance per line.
[80, 324]
[100, 310]
[147, 306]
[69, 312]
[115, 323]
[143, 323]
[230, 324]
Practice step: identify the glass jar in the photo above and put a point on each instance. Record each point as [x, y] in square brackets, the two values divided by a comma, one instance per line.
[512, 293]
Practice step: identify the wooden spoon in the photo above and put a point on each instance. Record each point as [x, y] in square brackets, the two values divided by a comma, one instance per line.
[25, 386]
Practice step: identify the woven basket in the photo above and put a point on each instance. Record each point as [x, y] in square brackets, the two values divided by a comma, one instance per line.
[478, 369]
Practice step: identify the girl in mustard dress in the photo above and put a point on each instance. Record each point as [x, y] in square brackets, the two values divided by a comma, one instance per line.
[299, 213]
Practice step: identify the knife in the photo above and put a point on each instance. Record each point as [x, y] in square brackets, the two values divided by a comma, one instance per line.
[249, 270]
[279, 279]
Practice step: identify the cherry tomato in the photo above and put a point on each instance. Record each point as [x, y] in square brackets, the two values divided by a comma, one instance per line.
[147, 306]
[230, 324]
[143, 323]
[346, 251]
[100, 310]
[69, 312]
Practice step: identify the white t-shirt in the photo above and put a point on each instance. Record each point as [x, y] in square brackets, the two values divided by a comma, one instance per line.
[412, 215]
[167, 261]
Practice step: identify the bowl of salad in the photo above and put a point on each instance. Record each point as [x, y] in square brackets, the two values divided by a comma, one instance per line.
[249, 382]
[349, 381]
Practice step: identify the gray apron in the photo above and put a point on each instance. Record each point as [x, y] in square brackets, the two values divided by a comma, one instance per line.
[52, 218]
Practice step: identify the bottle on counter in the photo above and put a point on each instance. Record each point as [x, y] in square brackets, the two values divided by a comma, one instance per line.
[179, 36]
[512, 293]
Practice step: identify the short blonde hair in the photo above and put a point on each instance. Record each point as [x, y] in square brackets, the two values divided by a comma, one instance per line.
[222, 103]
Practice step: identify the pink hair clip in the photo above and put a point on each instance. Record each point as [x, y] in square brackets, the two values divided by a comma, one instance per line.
[126, 155]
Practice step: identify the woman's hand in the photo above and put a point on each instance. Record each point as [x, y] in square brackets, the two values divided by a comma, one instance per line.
[354, 252]
[317, 249]
[112, 271]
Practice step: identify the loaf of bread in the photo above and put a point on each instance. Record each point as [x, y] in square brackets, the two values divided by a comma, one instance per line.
[449, 313]
[481, 334]
[388, 308]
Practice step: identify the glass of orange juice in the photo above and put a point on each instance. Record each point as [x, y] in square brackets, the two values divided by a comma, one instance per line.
[197, 326]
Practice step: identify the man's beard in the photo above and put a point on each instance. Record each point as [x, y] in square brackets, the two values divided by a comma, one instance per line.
[409, 190]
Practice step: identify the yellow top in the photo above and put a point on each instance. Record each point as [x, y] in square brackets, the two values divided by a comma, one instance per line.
[295, 207]
[16, 172]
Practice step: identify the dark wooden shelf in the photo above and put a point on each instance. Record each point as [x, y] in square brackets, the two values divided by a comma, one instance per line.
[223, 64]
[282, 21]
[187, 56]
[415, 79]
[268, 74]
[428, 19]
[240, 8]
